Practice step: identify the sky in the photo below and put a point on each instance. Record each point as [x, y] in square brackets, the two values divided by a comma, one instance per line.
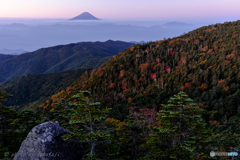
[121, 9]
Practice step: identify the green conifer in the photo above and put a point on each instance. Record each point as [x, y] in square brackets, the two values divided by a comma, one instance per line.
[180, 133]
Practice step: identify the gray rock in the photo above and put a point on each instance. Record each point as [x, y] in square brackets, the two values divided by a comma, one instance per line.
[44, 143]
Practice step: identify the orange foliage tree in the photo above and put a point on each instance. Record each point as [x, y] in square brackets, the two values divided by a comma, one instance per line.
[143, 67]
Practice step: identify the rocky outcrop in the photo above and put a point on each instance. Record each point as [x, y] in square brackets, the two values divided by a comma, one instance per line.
[44, 143]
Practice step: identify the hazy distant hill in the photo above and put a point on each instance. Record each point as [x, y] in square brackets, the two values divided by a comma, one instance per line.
[32, 89]
[177, 24]
[14, 26]
[174, 26]
[141, 42]
[84, 16]
[4, 57]
[31, 38]
[12, 52]
[61, 58]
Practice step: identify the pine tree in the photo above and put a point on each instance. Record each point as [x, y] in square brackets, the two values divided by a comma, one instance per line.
[7, 130]
[88, 123]
[180, 133]
[27, 119]
[129, 137]
[61, 113]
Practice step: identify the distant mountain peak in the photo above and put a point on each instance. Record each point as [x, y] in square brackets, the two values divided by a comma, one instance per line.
[84, 16]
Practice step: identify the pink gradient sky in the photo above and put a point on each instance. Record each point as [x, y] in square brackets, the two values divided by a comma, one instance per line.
[120, 9]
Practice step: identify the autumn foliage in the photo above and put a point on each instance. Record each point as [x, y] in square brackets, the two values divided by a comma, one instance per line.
[144, 116]
[153, 75]
[172, 53]
[167, 69]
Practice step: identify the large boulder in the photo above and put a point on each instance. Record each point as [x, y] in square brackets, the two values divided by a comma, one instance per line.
[44, 143]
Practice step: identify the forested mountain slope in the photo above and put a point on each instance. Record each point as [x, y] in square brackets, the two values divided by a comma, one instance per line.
[4, 57]
[60, 58]
[204, 63]
[30, 90]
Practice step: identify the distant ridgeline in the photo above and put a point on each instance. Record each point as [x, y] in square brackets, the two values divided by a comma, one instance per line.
[59, 58]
